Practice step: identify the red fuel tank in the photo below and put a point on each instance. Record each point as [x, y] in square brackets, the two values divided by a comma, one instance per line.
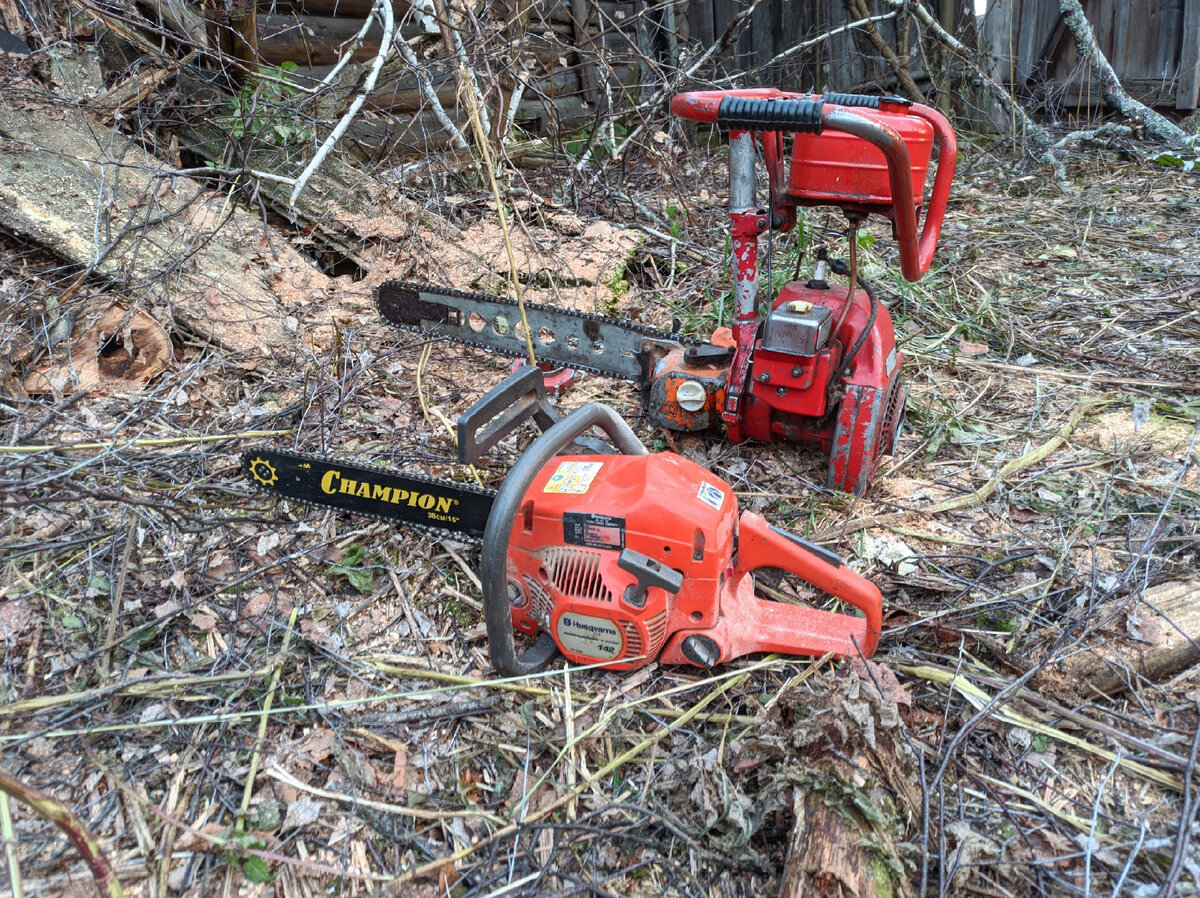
[837, 168]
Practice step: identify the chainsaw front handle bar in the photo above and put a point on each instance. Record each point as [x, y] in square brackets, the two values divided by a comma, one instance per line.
[493, 578]
[770, 110]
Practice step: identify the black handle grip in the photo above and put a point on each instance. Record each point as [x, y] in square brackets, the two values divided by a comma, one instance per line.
[770, 114]
[866, 101]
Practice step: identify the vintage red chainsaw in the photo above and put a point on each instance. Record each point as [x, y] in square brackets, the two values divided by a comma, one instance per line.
[616, 559]
[821, 367]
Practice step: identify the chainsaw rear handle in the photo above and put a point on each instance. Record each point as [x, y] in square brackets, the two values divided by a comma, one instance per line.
[770, 110]
[498, 533]
[760, 545]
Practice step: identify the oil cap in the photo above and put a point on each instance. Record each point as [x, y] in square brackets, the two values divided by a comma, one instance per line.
[691, 395]
[701, 650]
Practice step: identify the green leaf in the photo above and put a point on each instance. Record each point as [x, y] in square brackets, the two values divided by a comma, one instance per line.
[351, 567]
[1173, 160]
[362, 580]
[256, 870]
[72, 621]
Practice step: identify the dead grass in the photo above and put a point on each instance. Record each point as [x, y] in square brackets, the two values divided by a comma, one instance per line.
[147, 595]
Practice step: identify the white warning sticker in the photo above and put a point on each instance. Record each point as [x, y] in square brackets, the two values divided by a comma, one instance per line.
[573, 477]
[710, 495]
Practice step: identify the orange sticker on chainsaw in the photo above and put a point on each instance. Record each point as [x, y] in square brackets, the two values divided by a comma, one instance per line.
[573, 477]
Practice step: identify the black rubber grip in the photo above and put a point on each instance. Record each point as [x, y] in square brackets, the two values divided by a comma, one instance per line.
[770, 114]
[864, 100]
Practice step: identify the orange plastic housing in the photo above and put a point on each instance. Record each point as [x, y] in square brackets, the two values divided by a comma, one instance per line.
[564, 578]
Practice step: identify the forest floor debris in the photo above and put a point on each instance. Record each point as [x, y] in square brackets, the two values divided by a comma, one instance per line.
[147, 595]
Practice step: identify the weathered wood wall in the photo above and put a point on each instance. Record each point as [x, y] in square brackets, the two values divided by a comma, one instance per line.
[1153, 45]
[767, 47]
[578, 56]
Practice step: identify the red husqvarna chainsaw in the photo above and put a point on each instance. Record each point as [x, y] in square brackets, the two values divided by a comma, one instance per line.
[613, 557]
[816, 363]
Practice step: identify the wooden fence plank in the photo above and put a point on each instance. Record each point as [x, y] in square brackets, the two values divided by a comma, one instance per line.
[1187, 89]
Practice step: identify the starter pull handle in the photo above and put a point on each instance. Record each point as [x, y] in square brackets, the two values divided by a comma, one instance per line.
[765, 626]
[648, 572]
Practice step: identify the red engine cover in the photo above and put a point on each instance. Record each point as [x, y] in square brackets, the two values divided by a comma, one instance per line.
[578, 514]
[838, 168]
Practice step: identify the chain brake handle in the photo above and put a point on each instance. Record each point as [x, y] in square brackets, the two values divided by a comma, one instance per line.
[758, 625]
[770, 111]
[498, 532]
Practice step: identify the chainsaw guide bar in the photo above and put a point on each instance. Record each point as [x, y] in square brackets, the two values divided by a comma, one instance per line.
[562, 337]
[444, 508]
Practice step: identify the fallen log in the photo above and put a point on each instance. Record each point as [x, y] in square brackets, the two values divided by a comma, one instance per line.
[314, 41]
[1161, 638]
[351, 9]
[418, 134]
[855, 795]
[95, 199]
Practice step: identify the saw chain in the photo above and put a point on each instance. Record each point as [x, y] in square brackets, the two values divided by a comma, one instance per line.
[570, 339]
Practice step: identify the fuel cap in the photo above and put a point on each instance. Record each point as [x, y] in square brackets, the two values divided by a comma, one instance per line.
[691, 395]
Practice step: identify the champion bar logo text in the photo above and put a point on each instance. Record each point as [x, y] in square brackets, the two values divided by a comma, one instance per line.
[333, 482]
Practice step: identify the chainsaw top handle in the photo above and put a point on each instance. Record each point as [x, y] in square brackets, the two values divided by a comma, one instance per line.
[772, 111]
[498, 533]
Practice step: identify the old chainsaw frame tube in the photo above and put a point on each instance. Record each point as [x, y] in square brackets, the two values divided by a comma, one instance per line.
[498, 533]
[746, 224]
[916, 253]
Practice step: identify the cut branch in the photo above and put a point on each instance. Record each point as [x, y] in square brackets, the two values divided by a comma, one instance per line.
[49, 808]
[383, 9]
